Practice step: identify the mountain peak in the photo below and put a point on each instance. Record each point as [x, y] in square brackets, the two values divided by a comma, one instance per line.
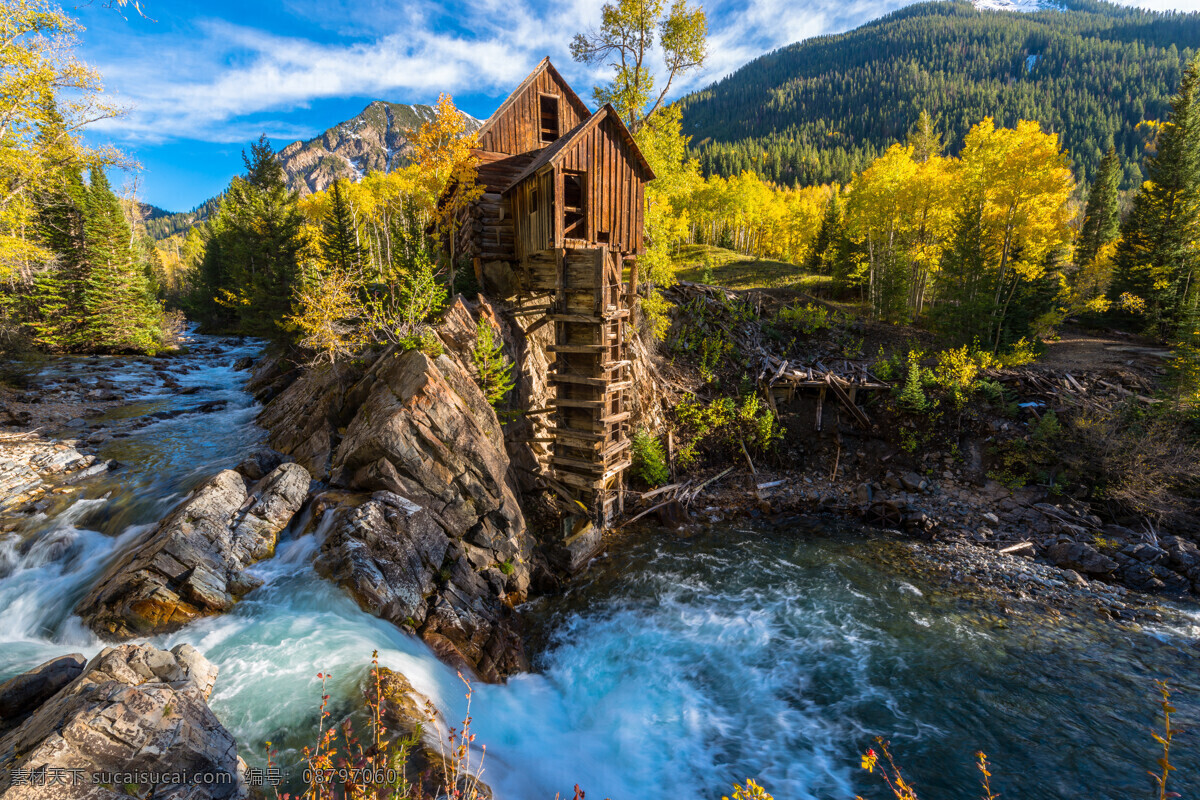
[376, 139]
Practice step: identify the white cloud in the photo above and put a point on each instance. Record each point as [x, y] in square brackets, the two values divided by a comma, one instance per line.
[221, 82]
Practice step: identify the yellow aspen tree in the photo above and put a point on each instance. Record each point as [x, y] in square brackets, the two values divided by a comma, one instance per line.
[47, 97]
[1025, 182]
[442, 155]
[878, 217]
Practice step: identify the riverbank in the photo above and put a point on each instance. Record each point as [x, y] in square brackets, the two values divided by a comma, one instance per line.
[1007, 542]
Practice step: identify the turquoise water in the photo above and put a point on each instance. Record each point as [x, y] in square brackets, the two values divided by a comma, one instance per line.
[676, 667]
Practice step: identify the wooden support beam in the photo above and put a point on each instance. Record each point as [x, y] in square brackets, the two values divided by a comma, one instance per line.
[862, 419]
[564, 377]
[537, 323]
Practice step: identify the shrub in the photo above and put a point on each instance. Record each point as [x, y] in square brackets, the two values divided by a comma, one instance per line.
[724, 425]
[807, 318]
[649, 460]
[1021, 353]
[656, 315]
[1031, 458]
[1146, 462]
[378, 766]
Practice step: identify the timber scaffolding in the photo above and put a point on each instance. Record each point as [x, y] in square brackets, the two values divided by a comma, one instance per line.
[592, 379]
[780, 381]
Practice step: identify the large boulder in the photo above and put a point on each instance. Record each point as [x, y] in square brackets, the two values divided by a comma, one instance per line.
[23, 693]
[304, 419]
[387, 553]
[133, 711]
[400, 564]
[193, 563]
[425, 431]
[1080, 557]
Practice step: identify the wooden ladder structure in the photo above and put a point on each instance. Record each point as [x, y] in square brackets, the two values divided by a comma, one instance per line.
[591, 373]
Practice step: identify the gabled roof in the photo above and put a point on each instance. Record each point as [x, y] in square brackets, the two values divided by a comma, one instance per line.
[552, 153]
[542, 66]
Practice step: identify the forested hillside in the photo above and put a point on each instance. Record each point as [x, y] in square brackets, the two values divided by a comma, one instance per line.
[163, 224]
[819, 110]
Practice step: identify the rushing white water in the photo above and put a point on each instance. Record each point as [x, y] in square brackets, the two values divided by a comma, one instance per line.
[677, 668]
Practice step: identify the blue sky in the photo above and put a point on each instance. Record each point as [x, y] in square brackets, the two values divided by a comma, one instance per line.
[201, 79]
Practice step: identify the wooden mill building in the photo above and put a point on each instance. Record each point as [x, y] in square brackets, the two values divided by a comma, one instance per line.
[560, 221]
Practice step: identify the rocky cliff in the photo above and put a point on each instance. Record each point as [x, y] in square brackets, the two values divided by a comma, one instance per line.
[375, 140]
[431, 535]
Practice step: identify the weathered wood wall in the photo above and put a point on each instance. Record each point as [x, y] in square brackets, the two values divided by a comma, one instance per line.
[514, 128]
[535, 231]
[615, 193]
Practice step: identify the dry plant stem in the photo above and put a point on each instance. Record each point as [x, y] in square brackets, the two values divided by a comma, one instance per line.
[982, 763]
[1164, 739]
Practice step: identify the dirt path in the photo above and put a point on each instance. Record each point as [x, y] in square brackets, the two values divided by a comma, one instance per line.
[1080, 351]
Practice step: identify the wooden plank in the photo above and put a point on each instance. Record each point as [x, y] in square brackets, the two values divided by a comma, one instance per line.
[567, 402]
[576, 464]
[862, 419]
[578, 380]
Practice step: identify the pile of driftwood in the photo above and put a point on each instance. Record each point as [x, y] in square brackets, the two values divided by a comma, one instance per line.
[781, 379]
[678, 495]
[1060, 391]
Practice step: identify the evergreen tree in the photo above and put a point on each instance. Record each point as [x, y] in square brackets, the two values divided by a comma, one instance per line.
[251, 266]
[966, 288]
[119, 307]
[57, 294]
[340, 248]
[925, 139]
[1101, 223]
[1157, 258]
[820, 257]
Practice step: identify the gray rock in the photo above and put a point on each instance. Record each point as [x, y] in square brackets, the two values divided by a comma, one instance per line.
[190, 565]
[387, 553]
[23, 693]
[1081, 557]
[133, 709]
[1144, 552]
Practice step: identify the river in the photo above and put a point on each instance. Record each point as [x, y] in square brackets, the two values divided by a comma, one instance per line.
[677, 666]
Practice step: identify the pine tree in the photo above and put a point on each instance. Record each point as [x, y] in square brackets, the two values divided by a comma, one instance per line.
[966, 287]
[819, 257]
[925, 139]
[340, 249]
[251, 265]
[1101, 223]
[1157, 258]
[119, 308]
[57, 296]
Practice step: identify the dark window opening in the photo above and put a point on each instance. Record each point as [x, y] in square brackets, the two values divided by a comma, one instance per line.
[549, 118]
[574, 205]
[602, 237]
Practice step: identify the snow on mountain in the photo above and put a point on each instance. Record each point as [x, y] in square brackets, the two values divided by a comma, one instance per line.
[376, 139]
[1014, 5]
